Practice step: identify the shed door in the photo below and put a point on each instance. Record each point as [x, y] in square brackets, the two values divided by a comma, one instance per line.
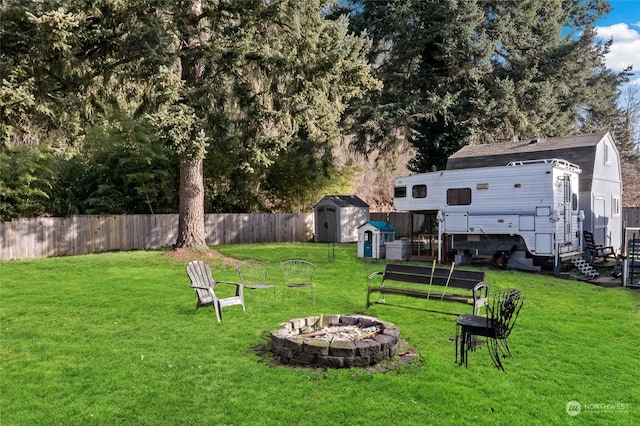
[327, 224]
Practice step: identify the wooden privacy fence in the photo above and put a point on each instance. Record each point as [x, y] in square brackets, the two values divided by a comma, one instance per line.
[61, 236]
[64, 236]
[631, 217]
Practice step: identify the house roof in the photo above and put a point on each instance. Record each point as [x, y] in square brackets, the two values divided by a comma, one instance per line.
[383, 226]
[577, 149]
[345, 200]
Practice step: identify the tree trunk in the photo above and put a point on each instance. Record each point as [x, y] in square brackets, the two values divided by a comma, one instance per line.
[191, 232]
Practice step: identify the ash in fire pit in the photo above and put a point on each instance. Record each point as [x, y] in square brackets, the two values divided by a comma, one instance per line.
[335, 341]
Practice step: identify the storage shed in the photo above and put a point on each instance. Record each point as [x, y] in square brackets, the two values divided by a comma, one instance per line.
[337, 218]
[600, 182]
[373, 237]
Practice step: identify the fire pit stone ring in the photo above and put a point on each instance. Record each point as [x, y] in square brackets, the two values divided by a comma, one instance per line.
[336, 341]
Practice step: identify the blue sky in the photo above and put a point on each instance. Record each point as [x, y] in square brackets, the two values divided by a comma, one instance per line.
[622, 24]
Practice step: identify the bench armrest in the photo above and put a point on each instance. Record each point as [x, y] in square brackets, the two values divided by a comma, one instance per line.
[371, 275]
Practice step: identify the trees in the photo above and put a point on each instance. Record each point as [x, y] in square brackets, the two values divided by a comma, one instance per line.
[252, 96]
[234, 86]
[257, 78]
[478, 71]
[631, 111]
[25, 181]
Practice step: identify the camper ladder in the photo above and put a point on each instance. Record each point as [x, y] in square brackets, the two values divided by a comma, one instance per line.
[585, 267]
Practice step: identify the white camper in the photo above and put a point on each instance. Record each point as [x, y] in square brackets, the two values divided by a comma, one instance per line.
[484, 211]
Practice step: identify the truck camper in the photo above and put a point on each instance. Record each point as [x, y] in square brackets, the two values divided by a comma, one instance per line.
[482, 212]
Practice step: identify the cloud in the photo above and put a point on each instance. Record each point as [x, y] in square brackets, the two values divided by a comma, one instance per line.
[625, 48]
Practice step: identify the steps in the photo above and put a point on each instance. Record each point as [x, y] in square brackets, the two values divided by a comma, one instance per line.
[585, 267]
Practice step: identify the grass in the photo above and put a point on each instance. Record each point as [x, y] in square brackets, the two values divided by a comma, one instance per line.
[114, 338]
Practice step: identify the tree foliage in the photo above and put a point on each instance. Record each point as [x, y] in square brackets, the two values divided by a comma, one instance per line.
[123, 168]
[233, 88]
[26, 179]
[64, 62]
[106, 103]
[294, 72]
[482, 71]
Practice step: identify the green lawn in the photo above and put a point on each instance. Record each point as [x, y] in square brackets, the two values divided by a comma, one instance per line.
[114, 339]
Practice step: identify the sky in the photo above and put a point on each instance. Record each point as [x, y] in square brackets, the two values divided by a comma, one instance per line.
[622, 25]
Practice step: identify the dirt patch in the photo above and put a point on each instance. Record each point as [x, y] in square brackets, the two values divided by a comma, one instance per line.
[209, 256]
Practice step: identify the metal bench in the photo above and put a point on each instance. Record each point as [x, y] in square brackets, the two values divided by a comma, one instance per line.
[423, 282]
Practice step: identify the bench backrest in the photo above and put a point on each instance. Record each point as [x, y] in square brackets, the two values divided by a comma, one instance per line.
[423, 275]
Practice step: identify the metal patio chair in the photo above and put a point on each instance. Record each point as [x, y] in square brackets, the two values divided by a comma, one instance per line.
[298, 273]
[204, 285]
[254, 275]
[496, 326]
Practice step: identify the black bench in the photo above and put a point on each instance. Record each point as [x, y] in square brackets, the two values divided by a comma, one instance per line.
[430, 283]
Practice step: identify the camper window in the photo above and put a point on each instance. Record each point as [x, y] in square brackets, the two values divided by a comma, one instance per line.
[419, 191]
[400, 191]
[459, 196]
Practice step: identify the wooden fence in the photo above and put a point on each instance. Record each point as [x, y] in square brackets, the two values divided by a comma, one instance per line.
[631, 217]
[60, 236]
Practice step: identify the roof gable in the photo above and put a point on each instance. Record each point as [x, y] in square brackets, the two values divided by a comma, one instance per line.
[531, 146]
[382, 226]
[577, 149]
[344, 200]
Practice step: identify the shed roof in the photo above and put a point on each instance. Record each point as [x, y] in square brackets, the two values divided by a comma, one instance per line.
[345, 200]
[577, 149]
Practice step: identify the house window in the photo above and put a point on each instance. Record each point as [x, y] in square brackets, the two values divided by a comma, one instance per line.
[615, 206]
[459, 196]
[419, 191]
[607, 154]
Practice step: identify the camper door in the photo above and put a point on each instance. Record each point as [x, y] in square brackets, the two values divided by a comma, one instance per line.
[567, 208]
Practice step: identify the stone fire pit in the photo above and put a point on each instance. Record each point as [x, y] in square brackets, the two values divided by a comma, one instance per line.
[338, 341]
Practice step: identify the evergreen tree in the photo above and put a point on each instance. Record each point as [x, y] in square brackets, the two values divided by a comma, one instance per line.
[228, 84]
[479, 71]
